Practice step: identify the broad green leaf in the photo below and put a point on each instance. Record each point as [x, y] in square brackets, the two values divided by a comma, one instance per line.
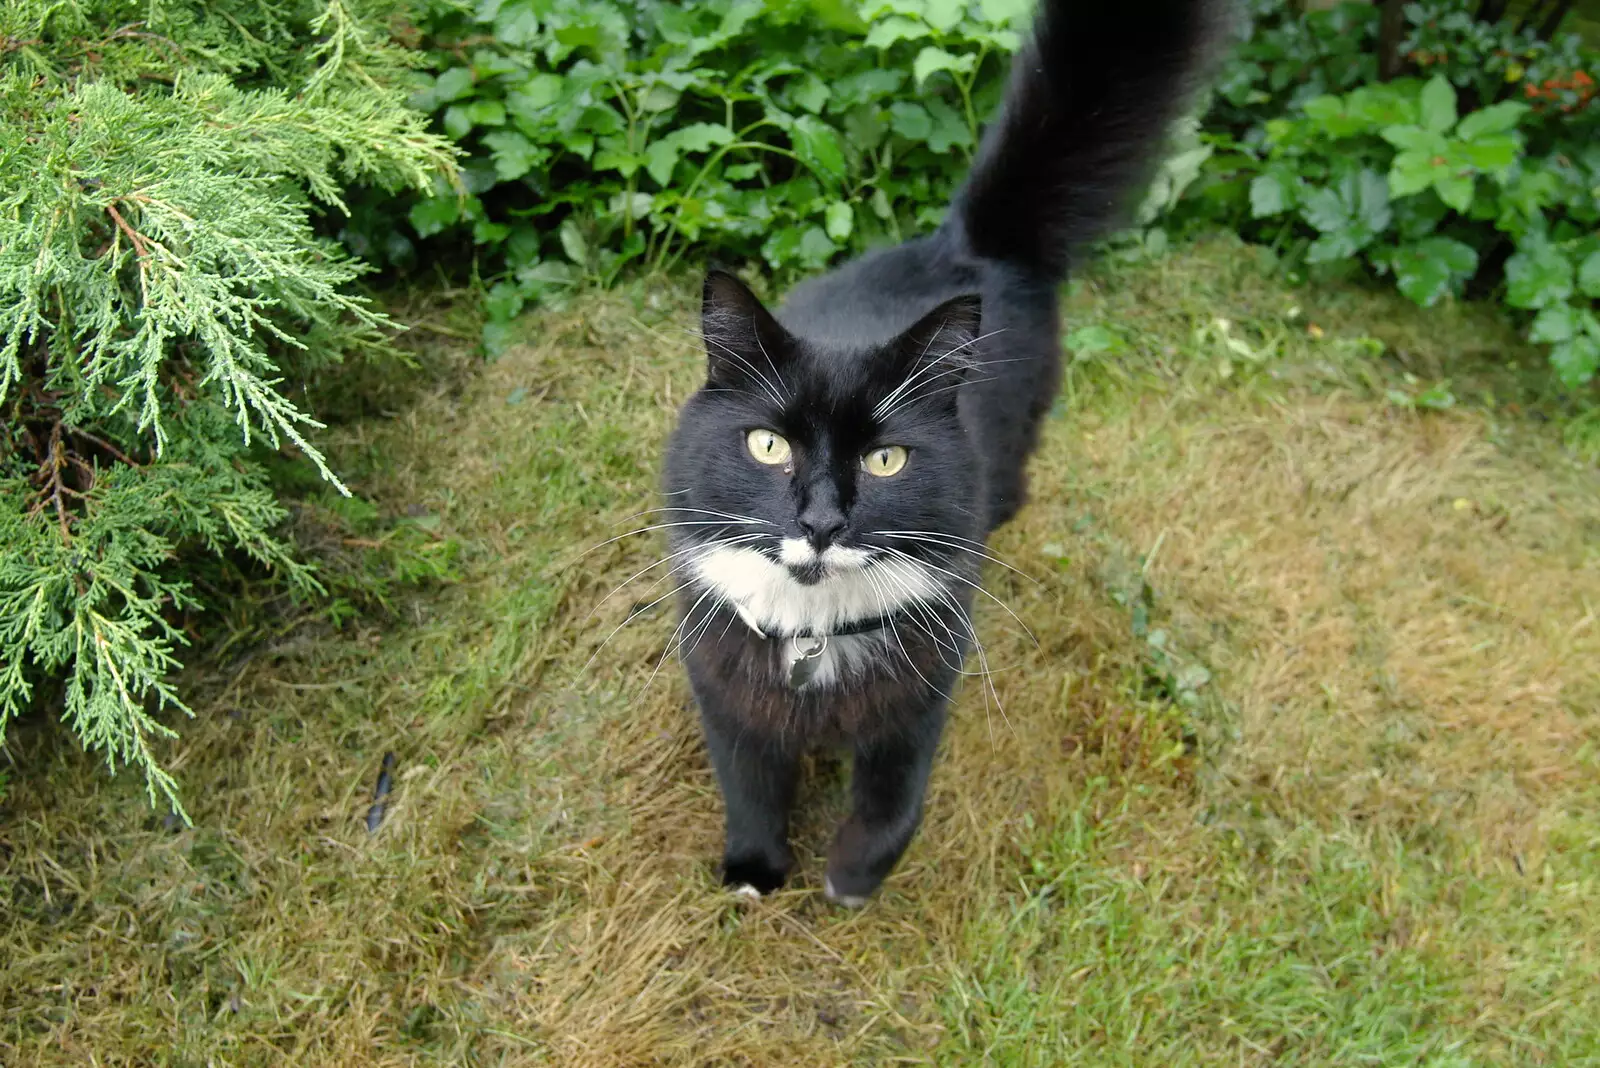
[1495, 119]
[839, 220]
[573, 242]
[1558, 322]
[699, 136]
[1372, 201]
[457, 121]
[1576, 361]
[932, 59]
[911, 121]
[1454, 191]
[516, 24]
[430, 216]
[895, 28]
[950, 130]
[1270, 194]
[660, 159]
[943, 15]
[487, 113]
[1011, 13]
[452, 85]
[1538, 275]
[1438, 104]
[818, 144]
[1589, 276]
[816, 247]
[1323, 209]
[1433, 267]
[1416, 139]
[865, 86]
[1409, 174]
[810, 93]
[513, 154]
[1490, 154]
[529, 100]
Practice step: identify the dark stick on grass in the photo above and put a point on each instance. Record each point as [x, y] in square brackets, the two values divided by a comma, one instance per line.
[379, 793]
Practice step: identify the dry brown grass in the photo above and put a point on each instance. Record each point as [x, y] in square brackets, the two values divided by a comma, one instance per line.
[1400, 720]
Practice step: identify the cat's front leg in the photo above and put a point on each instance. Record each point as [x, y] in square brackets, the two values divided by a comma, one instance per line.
[889, 778]
[757, 774]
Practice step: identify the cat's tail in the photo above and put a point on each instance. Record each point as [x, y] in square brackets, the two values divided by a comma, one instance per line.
[1091, 98]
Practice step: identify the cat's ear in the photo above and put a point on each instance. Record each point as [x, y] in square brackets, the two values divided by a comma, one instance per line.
[936, 353]
[743, 341]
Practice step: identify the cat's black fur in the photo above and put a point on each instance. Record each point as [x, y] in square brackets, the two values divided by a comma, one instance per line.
[963, 324]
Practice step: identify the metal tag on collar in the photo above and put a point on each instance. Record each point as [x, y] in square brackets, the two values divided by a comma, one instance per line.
[805, 657]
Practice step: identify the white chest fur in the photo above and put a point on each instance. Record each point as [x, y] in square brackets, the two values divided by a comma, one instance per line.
[853, 586]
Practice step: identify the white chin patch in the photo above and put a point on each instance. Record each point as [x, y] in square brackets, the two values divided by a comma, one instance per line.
[835, 559]
[852, 587]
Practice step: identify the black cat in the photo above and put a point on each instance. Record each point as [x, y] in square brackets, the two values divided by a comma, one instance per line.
[832, 484]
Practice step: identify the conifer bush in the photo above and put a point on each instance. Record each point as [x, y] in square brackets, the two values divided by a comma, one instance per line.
[162, 291]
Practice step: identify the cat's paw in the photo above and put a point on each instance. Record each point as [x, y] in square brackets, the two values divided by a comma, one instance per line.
[753, 875]
[849, 901]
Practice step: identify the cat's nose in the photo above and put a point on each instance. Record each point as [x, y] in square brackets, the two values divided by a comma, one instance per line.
[821, 526]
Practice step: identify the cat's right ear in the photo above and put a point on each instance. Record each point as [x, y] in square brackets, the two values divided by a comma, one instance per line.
[744, 343]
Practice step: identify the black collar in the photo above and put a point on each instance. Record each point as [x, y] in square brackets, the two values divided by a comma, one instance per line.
[861, 626]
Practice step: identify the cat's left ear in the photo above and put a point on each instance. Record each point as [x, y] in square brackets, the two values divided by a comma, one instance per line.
[940, 348]
[744, 343]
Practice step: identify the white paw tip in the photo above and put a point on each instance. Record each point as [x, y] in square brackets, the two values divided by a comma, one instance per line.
[746, 890]
[849, 901]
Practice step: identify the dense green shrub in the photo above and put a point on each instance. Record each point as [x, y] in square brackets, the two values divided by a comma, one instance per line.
[161, 291]
[604, 133]
[793, 131]
[1482, 171]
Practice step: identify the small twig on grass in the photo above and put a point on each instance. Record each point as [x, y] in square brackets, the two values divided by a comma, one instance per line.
[379, 793]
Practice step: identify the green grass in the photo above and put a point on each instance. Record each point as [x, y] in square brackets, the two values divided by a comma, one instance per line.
[1302, 770]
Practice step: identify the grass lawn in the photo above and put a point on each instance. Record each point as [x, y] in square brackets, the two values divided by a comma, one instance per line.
[1302, 768]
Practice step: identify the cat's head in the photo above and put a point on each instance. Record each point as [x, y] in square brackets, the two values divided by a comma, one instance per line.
[814, 486]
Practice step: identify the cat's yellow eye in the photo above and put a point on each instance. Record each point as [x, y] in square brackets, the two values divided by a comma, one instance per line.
[884, 461]
[767, 447]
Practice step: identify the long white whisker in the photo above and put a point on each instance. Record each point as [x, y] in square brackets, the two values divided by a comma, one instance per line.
[633, 616]
[969, 582]
[930, 537]
[718, 544]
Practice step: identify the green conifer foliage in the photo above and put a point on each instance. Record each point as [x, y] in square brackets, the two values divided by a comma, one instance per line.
[161, 289]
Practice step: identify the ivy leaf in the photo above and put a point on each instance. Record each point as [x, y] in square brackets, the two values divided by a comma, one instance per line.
[1428, 269]
[895, 28]
[1589, 276]
[1495, 119]
[839, 220]
[1438, 104]
[931, 59]
[1538, 276]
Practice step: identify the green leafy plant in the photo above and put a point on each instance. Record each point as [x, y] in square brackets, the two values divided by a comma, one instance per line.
[161, 282]
[1452, 184]
[604, 134]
